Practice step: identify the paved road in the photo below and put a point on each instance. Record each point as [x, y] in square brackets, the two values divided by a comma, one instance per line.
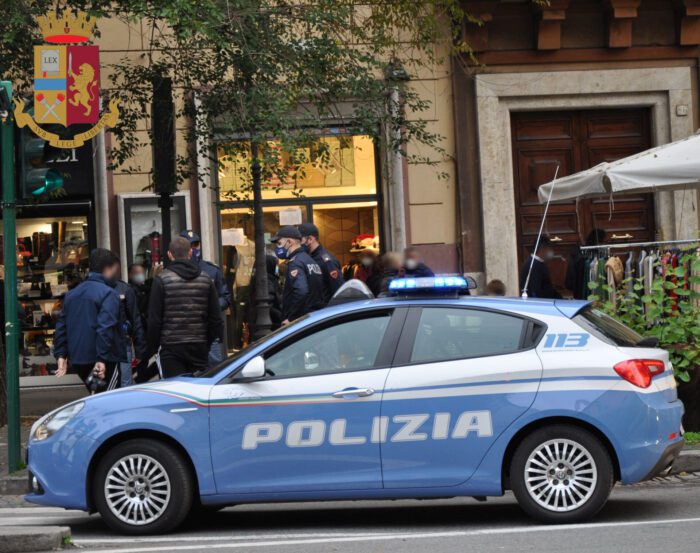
[651, 517]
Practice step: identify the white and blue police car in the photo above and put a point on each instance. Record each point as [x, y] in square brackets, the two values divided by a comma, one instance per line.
[420, 394]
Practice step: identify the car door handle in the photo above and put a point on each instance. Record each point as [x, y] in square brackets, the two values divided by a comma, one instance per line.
[357, 392]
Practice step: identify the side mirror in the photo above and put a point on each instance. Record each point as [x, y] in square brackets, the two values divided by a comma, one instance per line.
[253, 369]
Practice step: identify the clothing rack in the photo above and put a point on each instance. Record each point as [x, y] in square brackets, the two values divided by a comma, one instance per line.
[641, 244]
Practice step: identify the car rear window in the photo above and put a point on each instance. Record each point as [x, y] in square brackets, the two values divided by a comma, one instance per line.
[604, 327]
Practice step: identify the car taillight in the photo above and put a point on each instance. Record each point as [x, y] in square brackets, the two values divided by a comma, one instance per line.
[640, 371]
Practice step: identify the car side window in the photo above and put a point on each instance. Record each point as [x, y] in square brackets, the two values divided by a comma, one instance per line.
[447, 333]
[346, 346]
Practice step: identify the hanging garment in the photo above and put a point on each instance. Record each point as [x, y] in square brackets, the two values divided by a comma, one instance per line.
[629, 274]
[649, 266]
[610, 279]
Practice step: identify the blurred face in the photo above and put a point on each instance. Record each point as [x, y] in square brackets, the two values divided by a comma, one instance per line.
[137, 274]
[547, 253]
[110, 273]
[411, 259]
[367, 259]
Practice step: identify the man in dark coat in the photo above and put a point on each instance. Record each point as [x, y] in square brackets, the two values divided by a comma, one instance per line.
[332, 272]
[216, 353]
[540, 283]
[89, 336]
[184, 316]
[303, 282]
[130, 319]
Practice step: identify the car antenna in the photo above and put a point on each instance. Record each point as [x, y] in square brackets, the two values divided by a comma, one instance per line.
[539, 235]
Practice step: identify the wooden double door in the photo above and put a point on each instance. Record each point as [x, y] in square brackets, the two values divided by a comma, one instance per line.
[577, 140]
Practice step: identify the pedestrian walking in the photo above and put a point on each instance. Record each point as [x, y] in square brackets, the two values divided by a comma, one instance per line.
[332, 273]
[303, 283]
[89, 339]
[413, 264]
[184, 316]
[216, 352]
[132, 325]
[540, 283]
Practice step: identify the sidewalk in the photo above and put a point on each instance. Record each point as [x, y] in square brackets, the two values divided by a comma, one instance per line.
[16, 484]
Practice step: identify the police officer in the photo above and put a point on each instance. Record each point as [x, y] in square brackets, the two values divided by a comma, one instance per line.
[332, 273]
[303, 283]
[216, 354]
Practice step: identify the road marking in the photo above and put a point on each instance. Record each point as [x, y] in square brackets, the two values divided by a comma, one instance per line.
[220, 537]
[395, 536]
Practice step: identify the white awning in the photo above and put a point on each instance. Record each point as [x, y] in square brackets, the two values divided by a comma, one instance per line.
[669, 167]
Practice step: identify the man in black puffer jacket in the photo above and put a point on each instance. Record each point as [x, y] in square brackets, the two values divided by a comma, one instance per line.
[184, 317]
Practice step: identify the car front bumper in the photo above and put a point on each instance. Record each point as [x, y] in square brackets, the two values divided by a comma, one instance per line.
[58, 470]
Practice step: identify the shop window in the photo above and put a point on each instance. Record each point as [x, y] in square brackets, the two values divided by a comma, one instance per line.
[331, 166]
[52, 257]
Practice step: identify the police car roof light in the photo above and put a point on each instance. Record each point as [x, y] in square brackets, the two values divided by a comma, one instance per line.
[437, 283]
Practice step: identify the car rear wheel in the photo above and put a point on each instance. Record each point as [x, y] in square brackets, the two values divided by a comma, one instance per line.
[143, 487]
[561, 473]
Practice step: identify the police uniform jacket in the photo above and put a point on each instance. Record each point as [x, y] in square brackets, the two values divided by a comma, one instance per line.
[214, 273]
[332, 273]
[303, 286]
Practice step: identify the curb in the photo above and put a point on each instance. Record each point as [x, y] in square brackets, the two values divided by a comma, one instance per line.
[687, 461]
[13, 485]
[29, 539]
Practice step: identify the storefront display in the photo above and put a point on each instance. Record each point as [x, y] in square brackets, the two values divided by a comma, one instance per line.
[337, 191]
[53, 246]
[141, 228]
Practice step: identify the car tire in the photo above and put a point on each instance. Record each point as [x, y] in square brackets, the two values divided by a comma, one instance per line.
[561, 474]
[151, 488]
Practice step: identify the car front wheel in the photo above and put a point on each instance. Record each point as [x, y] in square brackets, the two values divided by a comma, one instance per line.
[143, 487]
[561, 474]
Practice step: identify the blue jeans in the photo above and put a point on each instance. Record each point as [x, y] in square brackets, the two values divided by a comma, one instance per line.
[216, 353]
[125, 367]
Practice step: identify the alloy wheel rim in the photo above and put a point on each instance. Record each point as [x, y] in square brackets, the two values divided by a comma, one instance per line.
[560, 475]
[137, 489]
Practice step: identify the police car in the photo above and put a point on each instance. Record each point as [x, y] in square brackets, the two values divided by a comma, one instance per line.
[426, 393]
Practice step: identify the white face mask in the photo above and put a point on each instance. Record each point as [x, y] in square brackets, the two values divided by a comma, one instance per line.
[139, 278]
[367, 261]
[411, 264]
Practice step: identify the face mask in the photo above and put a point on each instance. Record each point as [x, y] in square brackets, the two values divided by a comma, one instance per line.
[196, 254]
[281, 252]
[367, 261]
[305, 247]
[548, 255]
[139, 278]
[411, 264]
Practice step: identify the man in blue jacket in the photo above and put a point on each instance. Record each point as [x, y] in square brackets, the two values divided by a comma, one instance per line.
[89, 335]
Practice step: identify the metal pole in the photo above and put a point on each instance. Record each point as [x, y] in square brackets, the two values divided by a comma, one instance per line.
[263, 323]
[9, 209]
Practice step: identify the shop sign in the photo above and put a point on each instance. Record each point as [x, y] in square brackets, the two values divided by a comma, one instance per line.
[66, 82]
[75, 166]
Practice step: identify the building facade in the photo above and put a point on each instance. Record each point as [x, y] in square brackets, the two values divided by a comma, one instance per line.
[569, 85]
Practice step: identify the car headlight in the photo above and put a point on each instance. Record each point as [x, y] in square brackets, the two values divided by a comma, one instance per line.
[53, 422]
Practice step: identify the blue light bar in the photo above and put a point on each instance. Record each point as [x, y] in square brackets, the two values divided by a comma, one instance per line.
[426, 284]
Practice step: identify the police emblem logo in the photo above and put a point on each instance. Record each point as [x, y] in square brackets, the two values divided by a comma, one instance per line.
[334, 274]
[293, 273]
[66, 81]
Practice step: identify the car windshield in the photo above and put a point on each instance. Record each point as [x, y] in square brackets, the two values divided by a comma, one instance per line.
[216, 369]
[604, 327]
